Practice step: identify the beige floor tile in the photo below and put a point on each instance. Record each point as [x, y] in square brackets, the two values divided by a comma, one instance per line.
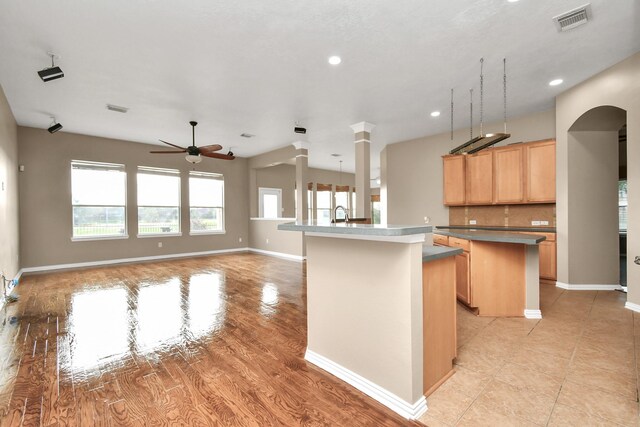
[519, 402]
[565, 416]
[467, 382]
[530, 379]
[624, 384]
[556, 345]
[549, 364]
[430, 421]
[612, 360]
[479, 415]
[447, 405]
[599, 403]
[478, 361]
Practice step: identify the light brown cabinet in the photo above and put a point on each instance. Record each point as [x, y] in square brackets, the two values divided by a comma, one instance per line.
[547, 252]
[508, 174]
[479, 177]
[541, 171]
[515, 174]
[454, 180]
[463, 288]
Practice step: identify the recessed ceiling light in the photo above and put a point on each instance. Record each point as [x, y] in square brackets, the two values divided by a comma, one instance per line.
[435, 114]
[334, 60]
[555, 82]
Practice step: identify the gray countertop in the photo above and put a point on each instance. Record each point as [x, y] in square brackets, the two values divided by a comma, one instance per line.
[493, 236]
[432, 253]
[356, 228]
[496, 228]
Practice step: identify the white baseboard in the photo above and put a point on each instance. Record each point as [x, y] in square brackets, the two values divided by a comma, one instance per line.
[278, 254]
[127, 260]
[388, 399]
[587, 287]
[632, 306]
[533, 314]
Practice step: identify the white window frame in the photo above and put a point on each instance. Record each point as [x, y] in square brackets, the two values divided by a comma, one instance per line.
[103, 166]
[263, 191]
[166, 172]
[213, 176]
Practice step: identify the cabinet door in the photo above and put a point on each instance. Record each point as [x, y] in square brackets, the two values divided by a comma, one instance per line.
[480, 178]
[541, 172]
[454, 180]
[547, 260]
[463, 292]
[509, 174]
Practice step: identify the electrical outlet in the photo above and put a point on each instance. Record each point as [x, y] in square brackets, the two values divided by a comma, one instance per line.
[159, 244]
[240, 239]
[2, 185]
[535, 222]
[637, 260]
[544, 222]
[267, 241]
[427, 220]
[472, 222]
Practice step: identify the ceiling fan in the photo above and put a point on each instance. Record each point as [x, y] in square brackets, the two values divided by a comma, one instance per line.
[194, 153]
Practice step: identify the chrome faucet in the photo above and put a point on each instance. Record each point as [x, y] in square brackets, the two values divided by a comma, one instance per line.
[335, 213]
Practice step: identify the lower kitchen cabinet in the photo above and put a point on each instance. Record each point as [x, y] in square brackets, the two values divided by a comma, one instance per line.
[463, 288]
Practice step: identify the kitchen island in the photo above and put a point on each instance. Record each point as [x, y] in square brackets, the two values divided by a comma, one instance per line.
[379, 317]
[498, 272]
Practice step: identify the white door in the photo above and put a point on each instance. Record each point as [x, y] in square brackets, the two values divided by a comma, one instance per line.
[270, 202]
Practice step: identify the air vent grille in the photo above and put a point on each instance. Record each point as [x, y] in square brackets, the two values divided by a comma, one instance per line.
[573, 18]
[247, 135]
[117, 108]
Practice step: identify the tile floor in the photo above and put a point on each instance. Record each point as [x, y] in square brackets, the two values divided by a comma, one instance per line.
[575, 367]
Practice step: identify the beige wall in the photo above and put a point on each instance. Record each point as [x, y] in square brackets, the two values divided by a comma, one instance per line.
[284, 178]
[45, 200]
[411, 171]
[617, 86]
[9, 243]
[264, 235]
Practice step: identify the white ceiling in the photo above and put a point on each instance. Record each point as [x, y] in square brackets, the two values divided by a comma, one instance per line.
[259, 66]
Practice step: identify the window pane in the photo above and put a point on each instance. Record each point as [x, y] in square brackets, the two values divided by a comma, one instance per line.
[622, 204]
[98, 187]
[353, 204]
[270, 206]
[158, 190]
[375, 212]
[205, 192]
[342, 199]
[324, 199]
[309, 205]
[206, 219]
[154, 220]
[91, 221]
[324, 216]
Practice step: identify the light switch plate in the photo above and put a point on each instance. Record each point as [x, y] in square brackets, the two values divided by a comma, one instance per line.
[472, 222]
[544, 222]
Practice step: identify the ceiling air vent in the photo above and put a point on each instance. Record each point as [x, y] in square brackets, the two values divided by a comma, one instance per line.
[117, 108]
[573, 18]
[247, 135]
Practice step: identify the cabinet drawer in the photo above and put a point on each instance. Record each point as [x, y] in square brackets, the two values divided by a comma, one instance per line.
[439, 239]
[459, 243]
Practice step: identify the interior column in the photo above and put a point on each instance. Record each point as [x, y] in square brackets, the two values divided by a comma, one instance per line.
[302, 164]
[362, 133]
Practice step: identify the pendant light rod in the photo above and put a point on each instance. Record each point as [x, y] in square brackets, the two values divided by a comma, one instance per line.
[504, 90]
[452, 114]
[481, 95]
[470, 113]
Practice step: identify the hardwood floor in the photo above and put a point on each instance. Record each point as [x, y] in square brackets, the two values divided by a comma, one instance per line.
[204, 341]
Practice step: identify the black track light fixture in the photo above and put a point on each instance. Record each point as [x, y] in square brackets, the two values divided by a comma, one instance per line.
[53, 72]
[55, 126]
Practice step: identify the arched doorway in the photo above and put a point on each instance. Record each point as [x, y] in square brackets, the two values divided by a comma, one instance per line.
[593, 182]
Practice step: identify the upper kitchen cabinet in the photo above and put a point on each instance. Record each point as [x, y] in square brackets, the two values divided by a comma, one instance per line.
[541, 171]
[480, 178]
[509, 175]
[454, 180]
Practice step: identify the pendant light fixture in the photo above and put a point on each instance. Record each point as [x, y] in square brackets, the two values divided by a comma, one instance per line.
[484, 141]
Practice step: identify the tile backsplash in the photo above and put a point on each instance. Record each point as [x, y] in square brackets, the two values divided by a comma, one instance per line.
[504, 215]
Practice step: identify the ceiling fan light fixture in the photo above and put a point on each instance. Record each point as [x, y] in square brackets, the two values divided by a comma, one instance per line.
[193, 158]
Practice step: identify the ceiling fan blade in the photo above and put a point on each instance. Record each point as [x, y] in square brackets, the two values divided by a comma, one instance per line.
[218, 156]
[210, 148]
[168, 152]
[173, 145]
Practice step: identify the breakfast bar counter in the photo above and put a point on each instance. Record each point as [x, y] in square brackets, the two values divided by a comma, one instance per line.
[379, 317]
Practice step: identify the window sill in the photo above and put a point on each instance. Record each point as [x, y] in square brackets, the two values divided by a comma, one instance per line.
[156, 235]
[92, 238]
[206, 233]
